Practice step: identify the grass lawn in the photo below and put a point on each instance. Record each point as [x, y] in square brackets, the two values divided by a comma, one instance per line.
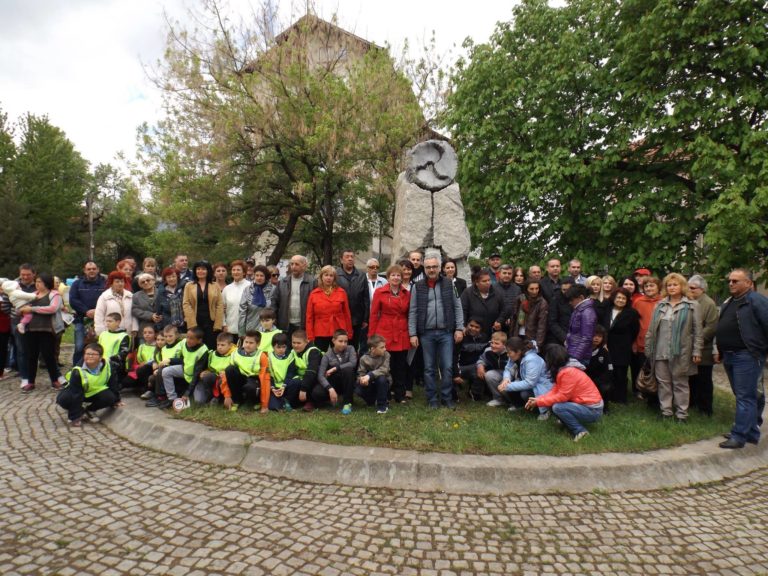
[474, 428]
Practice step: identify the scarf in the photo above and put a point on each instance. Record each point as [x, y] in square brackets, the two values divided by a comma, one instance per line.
[258, 298]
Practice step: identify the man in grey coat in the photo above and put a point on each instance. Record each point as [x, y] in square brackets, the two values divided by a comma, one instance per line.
[289, 299]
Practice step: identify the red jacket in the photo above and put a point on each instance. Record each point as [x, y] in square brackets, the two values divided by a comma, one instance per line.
[389, 317]
[328, 313]
[571, 385]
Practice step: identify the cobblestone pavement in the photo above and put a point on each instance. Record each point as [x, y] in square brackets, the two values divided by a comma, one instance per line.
[87, 502]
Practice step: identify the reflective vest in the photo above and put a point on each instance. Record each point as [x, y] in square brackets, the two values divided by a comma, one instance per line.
[278, 368]
[170, 352]
[266, 340]
[218, 363]
[189, 360]
[301, 359]
[247, 365]
[111, 341]
[92, 383]
[145, 353]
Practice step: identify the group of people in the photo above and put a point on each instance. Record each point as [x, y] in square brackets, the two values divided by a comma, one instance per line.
[560, 345]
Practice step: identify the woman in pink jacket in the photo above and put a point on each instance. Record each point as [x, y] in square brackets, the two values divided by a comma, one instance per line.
[574, 398]
[389, 319]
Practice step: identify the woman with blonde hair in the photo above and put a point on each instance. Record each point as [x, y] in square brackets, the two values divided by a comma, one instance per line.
[673, 345]
[608, 288]
[595, 285]
[327, 309]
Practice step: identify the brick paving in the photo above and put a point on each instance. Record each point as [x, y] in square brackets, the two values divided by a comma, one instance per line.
[86, 502]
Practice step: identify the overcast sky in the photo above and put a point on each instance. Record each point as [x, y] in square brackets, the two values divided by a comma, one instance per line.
[82, 62]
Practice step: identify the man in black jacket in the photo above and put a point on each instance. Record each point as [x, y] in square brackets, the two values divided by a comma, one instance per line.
[560, 311]
[355, 285]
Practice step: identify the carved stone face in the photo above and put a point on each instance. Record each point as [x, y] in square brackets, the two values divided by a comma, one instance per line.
[432, 165]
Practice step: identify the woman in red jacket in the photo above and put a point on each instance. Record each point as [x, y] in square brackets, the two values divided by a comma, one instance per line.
[574, 398]
[327, 309]
[389, 319]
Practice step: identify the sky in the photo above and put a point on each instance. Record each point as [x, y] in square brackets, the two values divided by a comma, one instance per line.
[86, 63]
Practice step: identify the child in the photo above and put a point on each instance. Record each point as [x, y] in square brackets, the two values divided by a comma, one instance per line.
[179, 376]
[373, 376]
[218, 361]
[465, 357]
[171, 350]
[19, 298]
[246, 379]
[267, 319]
[336, 373]
[491, 365]
[281, 372]
[93, 384]
[116, 343]
[306, 359]
[146, 354]
[532, 379]
[600, 368]
[574, 399]
[151, 367]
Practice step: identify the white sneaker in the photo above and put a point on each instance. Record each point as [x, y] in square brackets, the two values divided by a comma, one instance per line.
[147, 395]
[91, 417]
[580, 435]
[543, 416]
[512, 409]
[495, 403]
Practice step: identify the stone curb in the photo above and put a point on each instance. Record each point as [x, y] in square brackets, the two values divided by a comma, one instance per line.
[315, 462]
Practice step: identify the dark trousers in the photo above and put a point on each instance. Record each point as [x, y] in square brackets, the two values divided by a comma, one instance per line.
[702, 390]
[343, 381]
[141, 382]
[5, 337]
[323, 343]
[638, 359]
[41, 344]
[619, 390]
[398, 367]
[377, 391]
[475, 387]
[245, 389]
[72, 398]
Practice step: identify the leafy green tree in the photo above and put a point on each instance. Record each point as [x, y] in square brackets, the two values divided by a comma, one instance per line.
[610, 131]
[287, 140]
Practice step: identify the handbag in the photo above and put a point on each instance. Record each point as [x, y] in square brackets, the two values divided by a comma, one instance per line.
[646, 381]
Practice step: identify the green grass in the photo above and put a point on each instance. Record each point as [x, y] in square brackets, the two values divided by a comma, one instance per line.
[473, 428]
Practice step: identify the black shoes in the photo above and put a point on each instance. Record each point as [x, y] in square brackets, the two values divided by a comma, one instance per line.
[731, 444]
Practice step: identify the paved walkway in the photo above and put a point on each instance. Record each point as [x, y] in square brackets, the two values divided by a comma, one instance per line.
[87, 502]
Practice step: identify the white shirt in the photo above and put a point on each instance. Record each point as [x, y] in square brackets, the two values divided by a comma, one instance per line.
[231, 296]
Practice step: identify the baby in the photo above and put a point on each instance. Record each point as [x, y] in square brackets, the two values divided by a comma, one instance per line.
[19, 298]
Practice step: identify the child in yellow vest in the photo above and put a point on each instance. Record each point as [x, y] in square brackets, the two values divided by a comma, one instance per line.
[267, 328]
[116, 343]
[247, 378]
[282, 370]
[218, 361]
[181, 374]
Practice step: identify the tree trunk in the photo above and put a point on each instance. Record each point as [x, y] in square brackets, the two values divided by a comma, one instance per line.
[284, 239]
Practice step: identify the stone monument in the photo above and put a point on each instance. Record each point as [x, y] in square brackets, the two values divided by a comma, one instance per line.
[429, 214]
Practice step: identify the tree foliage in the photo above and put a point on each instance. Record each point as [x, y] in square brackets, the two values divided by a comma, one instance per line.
[287, 140]
[619, 132]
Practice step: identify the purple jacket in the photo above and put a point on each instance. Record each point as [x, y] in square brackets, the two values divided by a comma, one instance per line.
[581, 330]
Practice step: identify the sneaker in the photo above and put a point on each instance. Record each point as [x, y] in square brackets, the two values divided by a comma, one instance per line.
[308, 407]
[408, 395]
[76, 423]
[28, 387]
[287, 407]
[92, 417]
[494, 403]
[5, 375]
[153, 402]
[580, 435]
[513, 409]
[543, 416]
[164, 404]
[347, 409]
[147, 395]
[57, 385]
[383, 410]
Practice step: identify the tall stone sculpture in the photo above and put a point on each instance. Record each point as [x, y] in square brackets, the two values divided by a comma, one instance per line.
[429, 214]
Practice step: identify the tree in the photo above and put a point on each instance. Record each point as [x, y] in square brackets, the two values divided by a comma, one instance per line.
[287, 139]
[597, 130]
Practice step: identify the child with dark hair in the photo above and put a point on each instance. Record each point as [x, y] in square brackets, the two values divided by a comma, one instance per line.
[218, 361]
[574, 398]
[282, 371]
[373, 375]
[141, 363]
[336, 374]
[116, 343]
[465, 357]
[267, 319]
[247, 380]
[306, 359]
[600, 367]
[179, 376]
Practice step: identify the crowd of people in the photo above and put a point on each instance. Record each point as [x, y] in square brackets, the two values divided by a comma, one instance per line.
[238, 334]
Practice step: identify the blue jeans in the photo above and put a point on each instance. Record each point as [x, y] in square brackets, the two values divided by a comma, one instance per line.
[437, 347]
[77, 356]
[744, 373]
[377, 392]
[574, 416]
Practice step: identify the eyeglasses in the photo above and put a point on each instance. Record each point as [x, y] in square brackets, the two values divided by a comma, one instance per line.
[373, 267]
[730, 281]
[275, 275]
[431, 267]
